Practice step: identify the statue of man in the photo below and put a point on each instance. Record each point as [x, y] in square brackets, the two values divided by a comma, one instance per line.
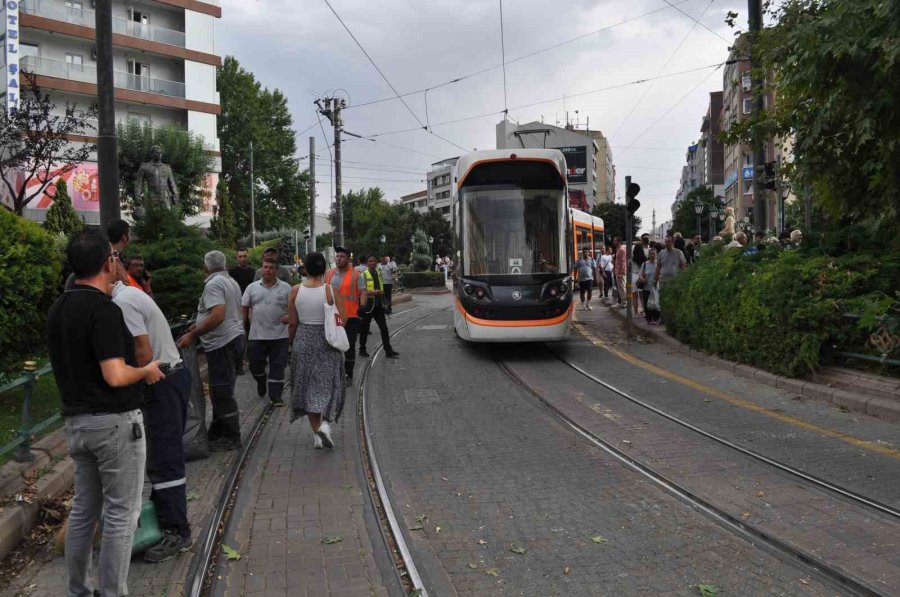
[160, 180]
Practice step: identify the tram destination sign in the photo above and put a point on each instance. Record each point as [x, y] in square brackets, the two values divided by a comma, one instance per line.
[576, 163]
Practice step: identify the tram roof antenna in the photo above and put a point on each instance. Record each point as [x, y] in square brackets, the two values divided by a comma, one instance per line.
[518, 135]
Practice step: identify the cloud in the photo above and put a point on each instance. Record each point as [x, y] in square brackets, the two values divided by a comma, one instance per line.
[299, 47]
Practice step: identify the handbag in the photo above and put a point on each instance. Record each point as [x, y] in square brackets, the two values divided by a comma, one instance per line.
[335, 333]
[653, 301]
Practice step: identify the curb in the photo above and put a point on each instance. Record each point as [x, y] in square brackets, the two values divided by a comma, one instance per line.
[427, 290]
[888, 410]
[401, 298]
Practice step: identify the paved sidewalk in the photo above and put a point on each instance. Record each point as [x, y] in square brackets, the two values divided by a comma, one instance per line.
[205, 478]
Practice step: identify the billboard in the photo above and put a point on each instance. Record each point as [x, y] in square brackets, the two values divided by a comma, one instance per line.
[576, 163]
[10, 34]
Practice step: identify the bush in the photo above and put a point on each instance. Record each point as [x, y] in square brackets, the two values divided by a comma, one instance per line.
[62, 217]
[775, 310]
[173, 252]
[29, 275]
[423, 280]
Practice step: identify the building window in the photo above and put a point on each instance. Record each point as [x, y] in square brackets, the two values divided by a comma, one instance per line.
[748, 105]
[746, 82]
[141, 119]
[76, 4]
[75, 62]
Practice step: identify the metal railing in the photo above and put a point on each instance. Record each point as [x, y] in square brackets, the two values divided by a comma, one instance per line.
[882, 340]
[22, 443]
[84, 17]
[88, 74]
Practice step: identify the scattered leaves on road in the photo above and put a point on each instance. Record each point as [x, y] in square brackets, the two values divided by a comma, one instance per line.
[437, 530]
[192, 495]
[745, 515]
[417, 527]
[230, 553]
[415, 593]
[517, 549]
[566, 571]
[332, 540]
[598, 539]
[708, 590]
[347, 486]
[473, 565]
[760, 494]
[492, 572]
[482, 542]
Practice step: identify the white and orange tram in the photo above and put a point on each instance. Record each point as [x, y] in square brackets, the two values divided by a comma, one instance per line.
[515, 236]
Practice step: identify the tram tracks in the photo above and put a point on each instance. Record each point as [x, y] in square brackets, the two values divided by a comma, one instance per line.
[813, 564]
[203, 568]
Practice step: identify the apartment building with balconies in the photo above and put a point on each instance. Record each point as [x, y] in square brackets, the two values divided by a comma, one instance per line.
[440, 188]
[164, 63]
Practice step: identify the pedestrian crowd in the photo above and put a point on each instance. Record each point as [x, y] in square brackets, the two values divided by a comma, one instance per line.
[653, 266]
[125, 387]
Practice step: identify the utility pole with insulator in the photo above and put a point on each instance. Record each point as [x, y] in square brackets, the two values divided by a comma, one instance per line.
[757, 83]
[312, 194]
[107, 150]
[330, 108]
[252, 201]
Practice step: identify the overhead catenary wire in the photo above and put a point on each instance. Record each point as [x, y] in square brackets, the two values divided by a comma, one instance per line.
[386, 80]
[697, 21]
[523, 57]
[665, 65]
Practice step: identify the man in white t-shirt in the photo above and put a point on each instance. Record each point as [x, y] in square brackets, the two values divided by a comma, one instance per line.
[387, 267]
[165, 412]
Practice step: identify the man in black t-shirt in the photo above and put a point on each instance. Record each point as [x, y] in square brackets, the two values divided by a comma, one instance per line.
[93, 358]
[243, 273]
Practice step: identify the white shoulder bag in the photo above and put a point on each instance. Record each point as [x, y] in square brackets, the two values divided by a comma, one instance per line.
[334, 328]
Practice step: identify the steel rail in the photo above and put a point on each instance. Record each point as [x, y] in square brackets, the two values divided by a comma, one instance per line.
[753, 535]
[817, 481]
[381, 492]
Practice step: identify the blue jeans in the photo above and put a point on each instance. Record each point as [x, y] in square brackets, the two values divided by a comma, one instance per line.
[109, 478]
[165, 411]
[276, 353]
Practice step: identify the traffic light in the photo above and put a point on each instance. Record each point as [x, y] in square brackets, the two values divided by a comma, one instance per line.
[771, 174]
[306, 233]
[631, 191]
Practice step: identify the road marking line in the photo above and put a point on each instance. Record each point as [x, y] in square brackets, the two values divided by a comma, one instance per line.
[746, 404]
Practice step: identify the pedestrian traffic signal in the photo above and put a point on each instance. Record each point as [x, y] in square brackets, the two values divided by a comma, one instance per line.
[631, 191]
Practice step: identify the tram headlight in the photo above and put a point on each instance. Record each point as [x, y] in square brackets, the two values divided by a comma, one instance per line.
[479, 293]
[468, 288]
[553, 292]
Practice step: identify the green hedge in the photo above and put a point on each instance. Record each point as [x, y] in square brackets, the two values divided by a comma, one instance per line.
[423, 280]
[29, 278]
[775, 310]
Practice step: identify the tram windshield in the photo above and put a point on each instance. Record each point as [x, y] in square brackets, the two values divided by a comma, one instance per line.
[512, 230]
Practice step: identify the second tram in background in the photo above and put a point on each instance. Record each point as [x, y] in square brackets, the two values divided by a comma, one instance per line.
[516, 237]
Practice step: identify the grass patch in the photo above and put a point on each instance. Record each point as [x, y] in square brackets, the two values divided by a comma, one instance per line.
[44, 404]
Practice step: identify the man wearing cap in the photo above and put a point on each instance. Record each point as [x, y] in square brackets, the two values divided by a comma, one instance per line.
[284, 272]
[349, 287]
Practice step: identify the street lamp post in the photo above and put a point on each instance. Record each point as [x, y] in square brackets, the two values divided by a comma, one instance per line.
[713, 213]
[382, 238]
[698, 209]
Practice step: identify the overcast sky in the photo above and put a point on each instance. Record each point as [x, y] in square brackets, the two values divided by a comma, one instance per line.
[302, 49]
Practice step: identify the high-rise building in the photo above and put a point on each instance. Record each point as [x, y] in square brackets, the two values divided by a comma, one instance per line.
[588, 157]
[164, 62]
[418, 201]
[439, 186]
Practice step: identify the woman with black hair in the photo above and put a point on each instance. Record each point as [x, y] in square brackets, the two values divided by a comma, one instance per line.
[318, 386]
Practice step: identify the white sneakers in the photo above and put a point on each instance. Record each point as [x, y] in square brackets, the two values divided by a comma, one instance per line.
[324, 433]
[589, 307]
[317, 442]
[586, 307]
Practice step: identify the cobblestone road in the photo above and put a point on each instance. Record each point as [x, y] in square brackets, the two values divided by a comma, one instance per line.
[488, 474]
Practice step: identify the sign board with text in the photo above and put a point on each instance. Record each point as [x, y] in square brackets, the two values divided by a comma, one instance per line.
[10, 33]
[576, 163]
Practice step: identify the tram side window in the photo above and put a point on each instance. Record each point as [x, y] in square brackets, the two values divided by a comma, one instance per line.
[598, 244]
[583, 240]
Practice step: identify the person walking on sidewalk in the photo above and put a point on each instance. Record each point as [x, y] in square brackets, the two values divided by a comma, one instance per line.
[584, 274]
[318, 388]
[606, 269]
[244, 274]
[374, 309]
[648, 292]
[96, 370]
[387, 268]
[671, 263]
[165, 412]
[620, 270]
[265, 308]
[221, 333]
[351, 293]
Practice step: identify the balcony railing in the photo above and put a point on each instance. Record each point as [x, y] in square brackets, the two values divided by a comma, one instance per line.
[81, 16]
[88, 74]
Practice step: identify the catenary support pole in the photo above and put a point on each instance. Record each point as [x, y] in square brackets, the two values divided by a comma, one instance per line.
[252, 201]
[312, 194]
[629, 239]
[338, 209]
[107, 151]
[760, 211]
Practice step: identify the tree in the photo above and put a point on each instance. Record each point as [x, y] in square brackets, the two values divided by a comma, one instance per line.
[221, 227]
[183, 151]
[834, 67]
[34, 145]
[62, 217]
[421, 257]
[613, 215]
[253, 114]
[685, 220]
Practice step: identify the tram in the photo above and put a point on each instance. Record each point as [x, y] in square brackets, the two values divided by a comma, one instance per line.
[514, 235]
[587, 233]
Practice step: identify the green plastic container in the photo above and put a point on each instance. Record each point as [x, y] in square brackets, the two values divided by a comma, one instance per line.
[147, 533]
